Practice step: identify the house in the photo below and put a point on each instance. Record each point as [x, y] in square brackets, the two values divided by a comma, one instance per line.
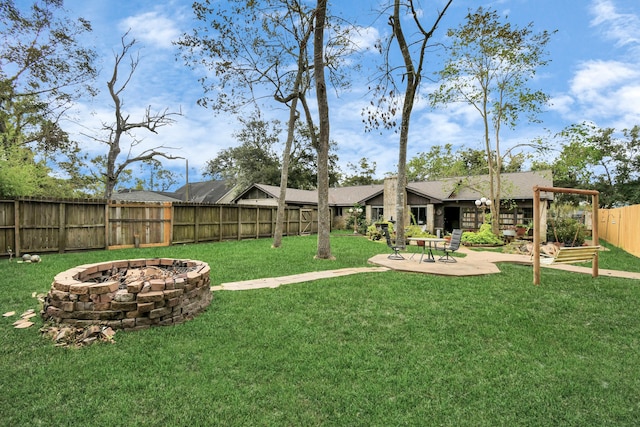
[453, 200]
[444, 204]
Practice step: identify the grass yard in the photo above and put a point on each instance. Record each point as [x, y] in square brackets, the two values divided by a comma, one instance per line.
[378, 349]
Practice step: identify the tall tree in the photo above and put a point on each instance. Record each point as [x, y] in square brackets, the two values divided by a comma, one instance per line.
[439, 162]
[601, 159]
[303, 166]
[253, 47]
[363, 173]
[154, 177]
[324, 212]
[43, 69]
[122, 127]
[249, 45]
[489, 67]
[413, 53]
[254, 160]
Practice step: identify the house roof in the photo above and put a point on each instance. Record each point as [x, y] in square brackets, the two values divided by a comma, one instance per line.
[349, 196]
[203, 192]
[343, 196]
[293, 195]
[142, 196]
[518, 185]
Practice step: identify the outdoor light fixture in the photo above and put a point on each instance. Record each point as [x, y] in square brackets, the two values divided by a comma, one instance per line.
[356, 213]
[484, 202]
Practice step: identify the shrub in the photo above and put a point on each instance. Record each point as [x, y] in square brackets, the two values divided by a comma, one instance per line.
[568, 231]
[416, 231]
[339, 223]
[484, 236]
[373, 232]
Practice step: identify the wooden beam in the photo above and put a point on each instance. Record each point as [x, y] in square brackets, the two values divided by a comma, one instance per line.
[594, 233]
[567, 190]
[536, 235]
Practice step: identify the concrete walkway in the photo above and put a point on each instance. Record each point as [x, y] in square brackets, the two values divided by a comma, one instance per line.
[274, 282]
[475, 263]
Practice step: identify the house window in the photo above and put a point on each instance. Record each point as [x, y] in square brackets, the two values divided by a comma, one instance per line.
[471, 219]
[419, 214]
[513, 217]
[377, 213]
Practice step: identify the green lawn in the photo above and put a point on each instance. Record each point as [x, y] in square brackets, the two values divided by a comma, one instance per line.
[379, 349]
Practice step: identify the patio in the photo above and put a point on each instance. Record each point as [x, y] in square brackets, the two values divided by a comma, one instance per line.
[474, 263]
[477, 263]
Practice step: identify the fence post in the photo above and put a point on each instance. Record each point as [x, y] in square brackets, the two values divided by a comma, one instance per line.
[239, 209]
[16, 232]
[62, 215]
[196, 226]
[107, 224]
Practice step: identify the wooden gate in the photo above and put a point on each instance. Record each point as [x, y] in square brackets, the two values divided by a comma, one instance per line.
[306, 221]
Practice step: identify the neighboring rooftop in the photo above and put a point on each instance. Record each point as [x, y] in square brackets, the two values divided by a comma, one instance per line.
[142, 196]
[202, 192]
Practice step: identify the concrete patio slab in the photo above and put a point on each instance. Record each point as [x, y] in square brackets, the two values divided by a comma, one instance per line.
[483, 262]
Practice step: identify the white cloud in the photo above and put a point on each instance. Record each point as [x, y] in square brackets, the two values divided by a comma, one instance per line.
[561, 104]
[365, 38]
[623, 28]
[152, 28]
[596, 76]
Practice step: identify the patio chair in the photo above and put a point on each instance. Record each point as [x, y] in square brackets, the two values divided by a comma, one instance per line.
[394, 248]
[451, 247]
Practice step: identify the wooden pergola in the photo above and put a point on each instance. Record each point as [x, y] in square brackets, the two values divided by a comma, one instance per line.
[536, 224]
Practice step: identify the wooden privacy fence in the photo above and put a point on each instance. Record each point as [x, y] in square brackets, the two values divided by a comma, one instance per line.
[36, 226]
[621, 227]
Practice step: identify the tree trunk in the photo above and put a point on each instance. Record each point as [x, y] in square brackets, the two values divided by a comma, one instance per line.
[284, 174]
[324, 213]
[413, 81]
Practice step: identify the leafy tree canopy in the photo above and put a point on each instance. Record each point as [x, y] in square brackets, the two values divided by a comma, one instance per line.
[362, 174]
[43, 68]
[600, 159]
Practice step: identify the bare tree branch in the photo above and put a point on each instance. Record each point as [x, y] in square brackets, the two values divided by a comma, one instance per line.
[151, 121]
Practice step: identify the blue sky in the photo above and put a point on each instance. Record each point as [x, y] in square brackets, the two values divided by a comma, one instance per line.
[594, 75]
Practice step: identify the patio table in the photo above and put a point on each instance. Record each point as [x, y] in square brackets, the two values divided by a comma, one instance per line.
[429, 245]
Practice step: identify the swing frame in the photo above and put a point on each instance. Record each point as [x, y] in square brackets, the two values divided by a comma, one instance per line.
[536, 224]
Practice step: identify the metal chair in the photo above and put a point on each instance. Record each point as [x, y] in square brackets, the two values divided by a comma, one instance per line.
[394, 248]
[453, 246]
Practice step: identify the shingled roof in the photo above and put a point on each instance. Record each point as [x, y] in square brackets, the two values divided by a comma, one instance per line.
[518, 185]
[293, 195]
[203, 192]
[142, 196]
[349, 196]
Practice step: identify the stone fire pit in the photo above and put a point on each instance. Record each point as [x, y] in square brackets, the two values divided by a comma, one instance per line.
[129, 294]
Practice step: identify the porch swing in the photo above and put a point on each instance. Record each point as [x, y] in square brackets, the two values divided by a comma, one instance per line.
[565, 254]
[571, 253]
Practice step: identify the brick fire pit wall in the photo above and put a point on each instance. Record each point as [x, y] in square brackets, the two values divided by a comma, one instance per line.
[129, 294]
